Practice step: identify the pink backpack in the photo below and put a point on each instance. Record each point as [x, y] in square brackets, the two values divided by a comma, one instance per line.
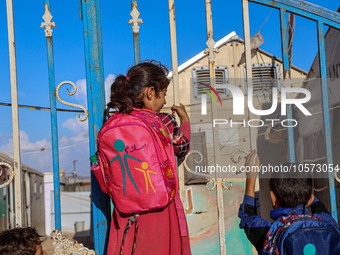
[137, 166]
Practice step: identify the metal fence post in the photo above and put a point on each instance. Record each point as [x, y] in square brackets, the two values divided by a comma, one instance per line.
[15, 114]
[326, 118]
[175, 82]
[135, 29]
[96, 106]
[219, 189]
[286, 68]
[54, 123]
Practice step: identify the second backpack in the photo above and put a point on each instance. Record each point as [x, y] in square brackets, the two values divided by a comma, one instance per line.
[302, 235]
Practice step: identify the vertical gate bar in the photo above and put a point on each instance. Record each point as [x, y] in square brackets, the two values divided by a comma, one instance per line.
[286, 68]
[94, 209]
[96, 107]
[11, 205]
[174, 56]
[15, 115]
[175, 80]
[326, 117]
[219, 189]
[108, 206]
[28, 199]
[54, 127]
[246, 31]
[249, 74]
[136, 45]
[100, 74]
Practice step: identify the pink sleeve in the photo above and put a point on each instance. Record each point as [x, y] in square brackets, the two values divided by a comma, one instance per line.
[185, 129]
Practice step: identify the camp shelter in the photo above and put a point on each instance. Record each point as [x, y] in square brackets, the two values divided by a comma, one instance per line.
[32, 195]
[234, 140]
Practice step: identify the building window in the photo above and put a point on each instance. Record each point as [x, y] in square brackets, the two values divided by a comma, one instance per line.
[265, 77]
[201, 77]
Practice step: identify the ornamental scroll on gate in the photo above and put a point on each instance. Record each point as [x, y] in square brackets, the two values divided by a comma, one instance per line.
[6, 175]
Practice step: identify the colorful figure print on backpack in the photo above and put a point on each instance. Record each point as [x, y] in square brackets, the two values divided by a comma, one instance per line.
[146, 172]
[119, 146]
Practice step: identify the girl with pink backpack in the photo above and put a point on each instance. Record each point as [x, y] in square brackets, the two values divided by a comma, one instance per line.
[137, 166]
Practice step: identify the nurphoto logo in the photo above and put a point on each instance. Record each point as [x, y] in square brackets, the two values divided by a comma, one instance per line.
[204, 97]
[238, 100]
[238, 104]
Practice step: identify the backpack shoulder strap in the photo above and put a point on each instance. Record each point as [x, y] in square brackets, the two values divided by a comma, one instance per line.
[271, 236]
[156, 124]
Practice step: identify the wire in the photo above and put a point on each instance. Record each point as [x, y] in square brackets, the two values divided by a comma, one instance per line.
[44, 149]
[74, 137]
[265, 21]
[48, 147]
[40, 108]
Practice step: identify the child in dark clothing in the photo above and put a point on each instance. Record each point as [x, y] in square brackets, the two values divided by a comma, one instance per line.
[289, 196]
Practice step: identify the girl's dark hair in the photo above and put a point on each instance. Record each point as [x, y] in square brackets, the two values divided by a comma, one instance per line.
[127, 91]
[19, 241]
[291, 189]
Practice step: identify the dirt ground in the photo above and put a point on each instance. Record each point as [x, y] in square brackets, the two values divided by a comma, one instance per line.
[48, 246]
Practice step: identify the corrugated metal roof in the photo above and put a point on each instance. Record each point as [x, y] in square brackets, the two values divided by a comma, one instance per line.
[227, 39]
[201, 55]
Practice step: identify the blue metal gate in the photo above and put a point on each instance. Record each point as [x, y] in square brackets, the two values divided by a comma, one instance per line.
[90, 15]
[321, 16]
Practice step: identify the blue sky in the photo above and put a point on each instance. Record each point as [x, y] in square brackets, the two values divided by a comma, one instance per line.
[118, 57]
